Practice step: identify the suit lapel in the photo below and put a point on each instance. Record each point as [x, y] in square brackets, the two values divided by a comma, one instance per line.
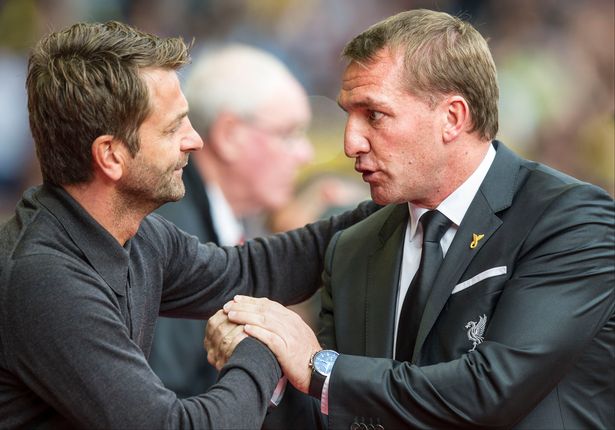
[479, 219]
[382, 283]
[494, 195]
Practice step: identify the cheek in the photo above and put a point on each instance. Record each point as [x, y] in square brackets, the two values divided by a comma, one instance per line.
[278, 174]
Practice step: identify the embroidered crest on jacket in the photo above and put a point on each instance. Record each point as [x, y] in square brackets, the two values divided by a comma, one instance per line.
[476, 331]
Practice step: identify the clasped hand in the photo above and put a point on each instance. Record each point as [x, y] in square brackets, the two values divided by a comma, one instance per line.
[290, 339]
[221, 338]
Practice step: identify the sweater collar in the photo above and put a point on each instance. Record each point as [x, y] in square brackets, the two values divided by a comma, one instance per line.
[100, 248]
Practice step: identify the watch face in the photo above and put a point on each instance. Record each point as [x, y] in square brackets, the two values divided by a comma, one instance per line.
[324, 360]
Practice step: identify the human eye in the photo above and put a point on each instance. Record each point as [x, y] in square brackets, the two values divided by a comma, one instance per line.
[374, 115]
[177, 124]
[171, 129]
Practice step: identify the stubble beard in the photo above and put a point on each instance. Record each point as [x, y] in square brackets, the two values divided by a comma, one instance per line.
[149, 188]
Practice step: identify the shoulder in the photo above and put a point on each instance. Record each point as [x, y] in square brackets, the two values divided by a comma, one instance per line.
[33, 232]
[557, 214]
[377, 223]
[363, 236]
[161, 233]
[49, 298]
[162, 243]
[552, 191]
[44, 282]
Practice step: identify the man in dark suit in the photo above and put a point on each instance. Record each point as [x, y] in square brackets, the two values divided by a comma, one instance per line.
[482, 295]
[253, 124]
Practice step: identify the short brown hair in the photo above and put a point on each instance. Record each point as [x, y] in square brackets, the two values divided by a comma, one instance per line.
[442, 55]
[84, 82]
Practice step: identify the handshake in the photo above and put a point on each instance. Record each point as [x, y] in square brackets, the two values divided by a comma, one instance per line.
[290, 339]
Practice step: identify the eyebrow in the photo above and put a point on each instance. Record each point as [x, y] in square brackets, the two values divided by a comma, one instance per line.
[181, 115]
[367, 102]
[178, 118]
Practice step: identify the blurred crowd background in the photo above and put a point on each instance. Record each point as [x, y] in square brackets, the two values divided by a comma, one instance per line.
[555, 62]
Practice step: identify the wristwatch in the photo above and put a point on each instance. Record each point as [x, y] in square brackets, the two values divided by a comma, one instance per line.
[321, 363]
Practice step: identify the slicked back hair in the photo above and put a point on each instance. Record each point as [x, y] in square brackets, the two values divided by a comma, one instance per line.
[442, 55]
[84, 82]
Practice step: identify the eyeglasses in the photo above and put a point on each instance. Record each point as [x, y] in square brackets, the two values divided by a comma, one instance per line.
[289, 136]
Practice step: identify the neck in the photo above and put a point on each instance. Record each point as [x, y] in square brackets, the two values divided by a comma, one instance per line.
[463, 160]
[110, 210]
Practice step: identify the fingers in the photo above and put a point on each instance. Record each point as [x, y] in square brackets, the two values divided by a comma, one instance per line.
[226, 347]
[217, 327]
[261, 312]
[252, 304]
[274, 342]
[221, 338]
[212, 325]
[290, 339]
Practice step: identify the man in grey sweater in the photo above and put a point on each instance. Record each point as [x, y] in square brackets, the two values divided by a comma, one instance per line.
[85, 269]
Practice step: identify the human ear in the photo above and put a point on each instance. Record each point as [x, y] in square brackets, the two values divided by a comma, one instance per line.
[227, 136]
[109, 156]
[457, 117]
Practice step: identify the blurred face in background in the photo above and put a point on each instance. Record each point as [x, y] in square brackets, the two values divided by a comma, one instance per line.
[275, 146]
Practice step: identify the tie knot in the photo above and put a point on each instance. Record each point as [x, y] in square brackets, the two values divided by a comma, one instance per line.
[435, 225]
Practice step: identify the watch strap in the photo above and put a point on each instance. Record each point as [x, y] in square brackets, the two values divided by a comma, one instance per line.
[317, 382]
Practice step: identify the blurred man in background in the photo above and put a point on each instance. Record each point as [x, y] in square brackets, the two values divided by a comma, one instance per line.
[252, 114]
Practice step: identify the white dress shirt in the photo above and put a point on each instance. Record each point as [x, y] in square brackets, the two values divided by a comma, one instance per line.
[228, 228]
[454, 207]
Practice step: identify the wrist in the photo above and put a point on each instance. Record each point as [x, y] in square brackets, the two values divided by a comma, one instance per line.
[321, 363]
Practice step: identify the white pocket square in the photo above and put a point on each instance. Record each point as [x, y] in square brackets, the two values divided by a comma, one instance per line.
[490, 273]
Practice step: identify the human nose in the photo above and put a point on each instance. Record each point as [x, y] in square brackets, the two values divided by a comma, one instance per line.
[355, 141]
[192, 141]
[304, 151]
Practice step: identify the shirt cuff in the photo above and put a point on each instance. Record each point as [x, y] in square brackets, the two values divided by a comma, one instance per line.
[324, 397]
[278, 393]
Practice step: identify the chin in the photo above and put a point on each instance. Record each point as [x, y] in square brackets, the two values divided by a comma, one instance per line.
[173, 195]
[379, 198]
[175, 198]
[277, 200]
[384, 200]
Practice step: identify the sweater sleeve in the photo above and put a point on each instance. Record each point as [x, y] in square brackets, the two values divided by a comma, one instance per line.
[70, 346]
[285, 267]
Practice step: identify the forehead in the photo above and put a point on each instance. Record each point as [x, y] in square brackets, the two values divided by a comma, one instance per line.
[165, 95]
[287, 104]
[379, 77]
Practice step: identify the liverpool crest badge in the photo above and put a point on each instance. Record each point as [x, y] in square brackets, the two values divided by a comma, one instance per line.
[476, 331]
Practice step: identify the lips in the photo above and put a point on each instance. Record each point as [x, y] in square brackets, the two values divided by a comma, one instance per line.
[182, 164]
[366, 173]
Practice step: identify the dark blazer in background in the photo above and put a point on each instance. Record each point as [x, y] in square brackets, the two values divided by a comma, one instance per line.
[177, 356]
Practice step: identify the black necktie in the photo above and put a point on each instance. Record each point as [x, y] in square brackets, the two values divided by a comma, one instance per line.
[434, 226]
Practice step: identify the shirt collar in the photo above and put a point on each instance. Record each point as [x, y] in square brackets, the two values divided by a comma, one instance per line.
[100, 248]
[228, 228]
[455, 206]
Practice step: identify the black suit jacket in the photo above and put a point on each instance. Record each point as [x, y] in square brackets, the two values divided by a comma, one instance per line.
[177, 356]
[546, 360]
[541, 281]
